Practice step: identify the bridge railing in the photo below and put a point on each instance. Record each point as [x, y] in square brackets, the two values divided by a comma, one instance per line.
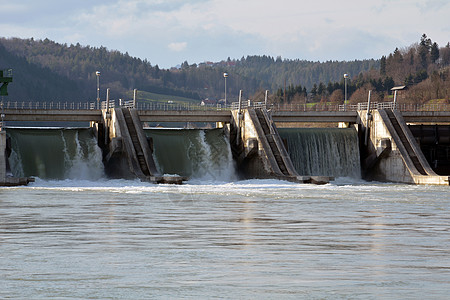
[179, 106]
[363, 106]
[30, 105]
[247, 104]
[167, 106]
[398, 106]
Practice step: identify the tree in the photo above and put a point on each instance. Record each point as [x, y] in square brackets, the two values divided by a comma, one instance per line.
[185, 65]
[388, 83]
[409, 80]
[321, 89]
[383, 66]
[424, 50]
[314, 90]
[398, 57]
[434, 52]
[337, 97]
[361, 94]
[445, 56]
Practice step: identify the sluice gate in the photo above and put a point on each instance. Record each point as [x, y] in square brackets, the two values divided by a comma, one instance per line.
[434, 141]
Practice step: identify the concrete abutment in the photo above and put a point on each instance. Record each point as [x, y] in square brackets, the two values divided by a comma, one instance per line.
[390, 152]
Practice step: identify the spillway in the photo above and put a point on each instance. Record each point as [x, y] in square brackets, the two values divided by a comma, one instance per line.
[323, 151]
[196, 153]
[55, 154]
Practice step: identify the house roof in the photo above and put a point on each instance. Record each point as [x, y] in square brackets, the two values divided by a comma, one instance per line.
[399, 88]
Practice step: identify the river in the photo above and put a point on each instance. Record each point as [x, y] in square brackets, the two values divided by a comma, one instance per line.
[253, 239]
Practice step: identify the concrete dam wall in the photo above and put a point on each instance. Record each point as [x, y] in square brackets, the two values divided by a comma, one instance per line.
[250, 145]
[203, 154]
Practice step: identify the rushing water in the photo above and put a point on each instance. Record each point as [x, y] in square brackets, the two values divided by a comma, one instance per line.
[213, 237]
[323, 151]
[199, 154]
[55, 153]
[258, 239]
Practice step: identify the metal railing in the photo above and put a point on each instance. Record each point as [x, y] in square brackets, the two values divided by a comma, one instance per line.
[48, 105]
[165, 106]
[363, 106]
[398, 106]
[247, 104]
[179, 106]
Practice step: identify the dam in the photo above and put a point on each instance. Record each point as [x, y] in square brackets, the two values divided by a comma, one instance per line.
[248, 142]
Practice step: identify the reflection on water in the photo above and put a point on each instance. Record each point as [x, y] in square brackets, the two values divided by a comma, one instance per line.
[246, 240]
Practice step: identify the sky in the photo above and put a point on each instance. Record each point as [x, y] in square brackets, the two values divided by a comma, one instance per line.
[169, 32]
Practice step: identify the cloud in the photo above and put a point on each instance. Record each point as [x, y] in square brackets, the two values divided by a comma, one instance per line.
[177, 47]
[198, 30]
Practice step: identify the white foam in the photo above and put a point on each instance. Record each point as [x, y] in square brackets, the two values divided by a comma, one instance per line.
[81, 166]
[213, 169]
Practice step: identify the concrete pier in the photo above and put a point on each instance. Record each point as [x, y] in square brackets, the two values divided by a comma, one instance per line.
[2, 156]
[6, 180]
[259, 150]
[128, 153]
[390, 151]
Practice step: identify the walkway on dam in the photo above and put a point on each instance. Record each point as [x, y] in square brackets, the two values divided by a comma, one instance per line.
[206, 114]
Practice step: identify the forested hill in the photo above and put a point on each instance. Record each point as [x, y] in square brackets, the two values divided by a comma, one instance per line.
[34, 82]
[48, 71]
[52, 66]
[277, 72]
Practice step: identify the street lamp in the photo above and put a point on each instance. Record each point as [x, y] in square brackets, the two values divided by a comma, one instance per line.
[98, 88]
[225, 75]
[345, 80]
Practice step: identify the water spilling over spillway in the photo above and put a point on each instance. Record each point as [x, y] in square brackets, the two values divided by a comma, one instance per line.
[55, 153]
[73, 153]
[323, 151]
[198, 154]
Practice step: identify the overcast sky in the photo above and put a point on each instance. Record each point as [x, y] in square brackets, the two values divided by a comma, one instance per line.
[169, 32]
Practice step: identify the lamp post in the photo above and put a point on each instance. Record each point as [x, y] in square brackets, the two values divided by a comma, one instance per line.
[225, 76]
[98, 88]
[345, 82]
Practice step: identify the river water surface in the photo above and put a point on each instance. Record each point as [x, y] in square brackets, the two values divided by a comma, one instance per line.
[258, 239]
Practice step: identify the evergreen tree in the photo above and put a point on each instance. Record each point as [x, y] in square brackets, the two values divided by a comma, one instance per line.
[321, 89]
[314, 90]
[383, 66]
[388, 83]
[398, 57]
[434, 52]
[424, 49]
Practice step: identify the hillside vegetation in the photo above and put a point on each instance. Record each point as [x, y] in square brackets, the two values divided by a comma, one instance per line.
[48, 71]
[423, 68]
[45, 70]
